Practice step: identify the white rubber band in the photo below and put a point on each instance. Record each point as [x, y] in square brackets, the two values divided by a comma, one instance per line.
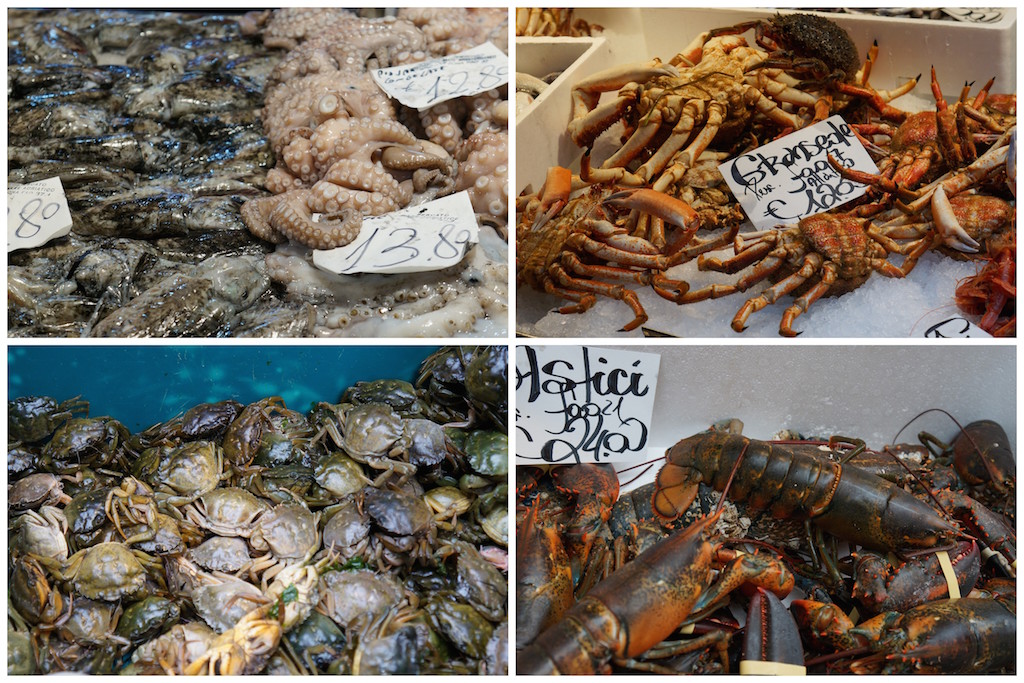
[753, 667]
[947, 571]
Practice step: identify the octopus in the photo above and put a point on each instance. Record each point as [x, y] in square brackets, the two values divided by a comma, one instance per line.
[451, 30]
[483, 171]
[342, 154]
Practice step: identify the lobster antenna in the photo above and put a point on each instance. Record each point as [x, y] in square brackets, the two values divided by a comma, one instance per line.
[922, 414]
[728, 483]
[977, 449]
[646, 468]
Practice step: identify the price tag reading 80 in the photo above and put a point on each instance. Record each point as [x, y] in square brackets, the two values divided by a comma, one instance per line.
[422, 85]
[431, 236]
[36, 213]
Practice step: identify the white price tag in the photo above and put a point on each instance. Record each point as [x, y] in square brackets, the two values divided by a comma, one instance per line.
[430, 236]
[976, 15]
[946, 325]
[790, 178]
[36, 213]
[581, 404]
[422, 85]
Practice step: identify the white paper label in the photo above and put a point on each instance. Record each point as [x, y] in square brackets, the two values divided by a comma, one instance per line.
[36, 213]
[976, 15]
[430, 236]
[422, 85]
[582, 404]
[943, 325]
[790, 178]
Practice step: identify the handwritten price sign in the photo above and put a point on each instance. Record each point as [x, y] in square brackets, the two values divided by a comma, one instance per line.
[790, 178]
[423, 85]
[580, 404]
[430, 236]
[941, 325]
[36, 213]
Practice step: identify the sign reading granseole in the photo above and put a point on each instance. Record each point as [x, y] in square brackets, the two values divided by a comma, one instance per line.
[790, 178]
[582, 404]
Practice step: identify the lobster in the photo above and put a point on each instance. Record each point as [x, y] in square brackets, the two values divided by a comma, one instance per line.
[981, 455]
[845, 501]
[543, 578]
[643, 602]
[970, 635]
[881, 586]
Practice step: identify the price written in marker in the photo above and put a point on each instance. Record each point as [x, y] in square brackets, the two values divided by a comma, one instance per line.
[430, 236]
[790, 178]
[951, 327]
[425, 84]
[36, 213]
[580, 404]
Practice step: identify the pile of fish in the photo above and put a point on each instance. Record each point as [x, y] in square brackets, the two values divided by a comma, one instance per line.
[152, 121]
[367, 536]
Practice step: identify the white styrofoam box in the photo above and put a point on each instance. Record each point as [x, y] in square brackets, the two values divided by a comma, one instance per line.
[550, 111]
[961, 52]
[866, 392]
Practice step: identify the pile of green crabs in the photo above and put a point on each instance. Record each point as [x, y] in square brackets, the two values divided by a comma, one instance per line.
[367, 536]
[850, 560]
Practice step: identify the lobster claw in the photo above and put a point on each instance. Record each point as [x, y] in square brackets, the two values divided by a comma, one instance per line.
[771, 642]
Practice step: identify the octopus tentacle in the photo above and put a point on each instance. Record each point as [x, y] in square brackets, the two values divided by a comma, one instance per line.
[256, 214]
[375, 190]
[483, 170]
[293, 218]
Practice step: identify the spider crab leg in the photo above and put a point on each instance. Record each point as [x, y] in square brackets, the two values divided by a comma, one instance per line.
[966, 177]
[590, 118]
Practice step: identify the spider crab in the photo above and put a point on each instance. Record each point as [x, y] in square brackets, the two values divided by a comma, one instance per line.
[840, 250]
[577, 248]
[929, 143]
[710, 92]
[833, 253]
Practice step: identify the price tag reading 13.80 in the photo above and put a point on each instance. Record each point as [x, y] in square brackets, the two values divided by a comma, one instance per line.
[36, 213]
[430, 236]
[423, 85]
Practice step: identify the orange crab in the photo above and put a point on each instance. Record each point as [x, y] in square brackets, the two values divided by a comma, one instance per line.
[576, 248]
[841, 250]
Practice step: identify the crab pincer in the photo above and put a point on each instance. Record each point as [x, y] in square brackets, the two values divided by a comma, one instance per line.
[662, 207]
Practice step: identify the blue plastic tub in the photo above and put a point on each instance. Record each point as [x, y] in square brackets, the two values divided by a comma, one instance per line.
[143, 385]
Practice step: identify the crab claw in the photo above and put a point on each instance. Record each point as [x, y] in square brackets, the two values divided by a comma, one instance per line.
[953, 234]
[657, 204]
[554, 195]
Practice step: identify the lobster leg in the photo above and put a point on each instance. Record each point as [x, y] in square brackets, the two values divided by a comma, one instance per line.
[543, 579]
